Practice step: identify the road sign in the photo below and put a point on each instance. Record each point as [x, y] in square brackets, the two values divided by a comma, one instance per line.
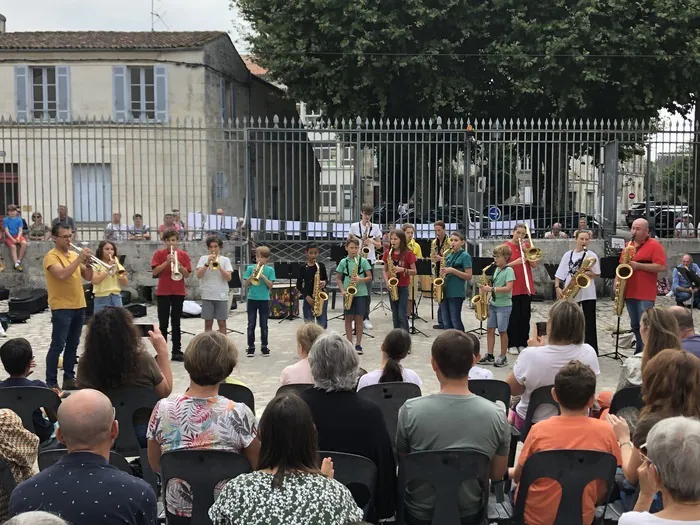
[494, 213]
[631, 195]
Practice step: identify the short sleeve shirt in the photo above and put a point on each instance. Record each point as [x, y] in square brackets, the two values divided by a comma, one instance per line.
[569, 266]
[346, 267]
[501, 277]
[68, 221]
[142, 230]
[166, 285]
[148, 374]
[642, 284]
[14, 224]
[259, 292]
[519, 286]
[454, 286]
[67, 294]
[116, 232]
[401, 260]
[213, 287]
[373, 231]
[109, 286]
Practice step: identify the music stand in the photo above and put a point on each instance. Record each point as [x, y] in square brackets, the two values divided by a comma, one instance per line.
[478, 265]
[423, 267]
[608, 265]
[235, 282]
[381, 304]
[288, 270]
[338, 253]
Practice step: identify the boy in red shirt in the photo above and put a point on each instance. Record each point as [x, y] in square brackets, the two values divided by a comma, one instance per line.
[170, 294]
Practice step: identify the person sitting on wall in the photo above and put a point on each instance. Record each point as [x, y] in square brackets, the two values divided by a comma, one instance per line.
[556, 232]
[139, 231]
[684, 228]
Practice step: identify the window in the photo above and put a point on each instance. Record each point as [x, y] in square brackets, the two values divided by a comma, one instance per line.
[228, 101]
[221, 185]
[44, 98]
[329, 196]
[347, 197]
[326, 152]
[42, 93]
[142, 93]
[348, 155]
[92, 192]
[9, 186]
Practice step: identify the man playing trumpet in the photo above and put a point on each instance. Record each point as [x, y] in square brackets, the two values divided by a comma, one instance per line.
[108, 279]
[214, 272]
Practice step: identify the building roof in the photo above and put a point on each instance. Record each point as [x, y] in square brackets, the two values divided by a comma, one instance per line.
[105, 40]
[253, 67]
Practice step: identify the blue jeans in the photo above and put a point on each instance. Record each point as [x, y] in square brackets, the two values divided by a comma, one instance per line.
[441, 314]
[113, 299]
[635, 309]
[322, 320]
[399, 309]
[255, 307]
[682, 297]
[67, 325]
[452, 313]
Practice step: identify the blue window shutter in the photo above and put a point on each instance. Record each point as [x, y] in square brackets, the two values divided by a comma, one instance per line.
[222, 98]
[161, 77]
[22, 93]
[63, 93]
[232, 116]
[121, 93]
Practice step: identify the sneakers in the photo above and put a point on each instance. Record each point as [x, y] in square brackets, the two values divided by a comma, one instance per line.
[265, 351]
[358, 349]
[250, 352]
[438, 327]
[486, 360]
[18, 267]
[513, 350]
[70, 383]
[177, 355]
[501, 360]
[367, 324]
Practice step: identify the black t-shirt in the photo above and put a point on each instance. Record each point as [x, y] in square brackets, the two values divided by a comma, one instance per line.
[305, 282]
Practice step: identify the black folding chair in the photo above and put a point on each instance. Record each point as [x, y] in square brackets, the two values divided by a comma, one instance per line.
[7, 479]
[573, 470]
[238, 393]
[627, 397]
[493, 390]
[297, 388]
[49, 458]
[390, 397]
[445, 470]
[541, 396]
[358, 474]
[24, 400]
[201, 470]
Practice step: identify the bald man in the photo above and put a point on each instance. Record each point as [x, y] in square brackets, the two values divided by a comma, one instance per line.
[556, 232]
[685, 281]
[690, 341]
[90, 490]
[648, 262]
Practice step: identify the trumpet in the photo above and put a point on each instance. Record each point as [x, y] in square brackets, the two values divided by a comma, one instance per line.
[532, 253]
[94, 262]
[215, 263]
[120, 273]
[175, 274]
[257, 273]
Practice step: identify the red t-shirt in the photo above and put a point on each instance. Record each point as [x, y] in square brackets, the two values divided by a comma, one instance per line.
[166, 286]
[519, 286]
[402, 260]
[642, 284]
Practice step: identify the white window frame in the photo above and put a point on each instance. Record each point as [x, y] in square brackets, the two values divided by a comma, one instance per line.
[46, 112]
[330, 190]
[142, 88]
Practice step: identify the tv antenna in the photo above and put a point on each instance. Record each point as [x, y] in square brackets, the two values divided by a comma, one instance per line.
[155, 15]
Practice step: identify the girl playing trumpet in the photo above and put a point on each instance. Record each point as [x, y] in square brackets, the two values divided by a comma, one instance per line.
[107, 288]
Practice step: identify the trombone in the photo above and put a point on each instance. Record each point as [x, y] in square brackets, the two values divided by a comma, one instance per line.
[532, 253]
[94, 261]
[175, 274]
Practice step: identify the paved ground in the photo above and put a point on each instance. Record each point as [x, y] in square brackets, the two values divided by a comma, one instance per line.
[262, 374]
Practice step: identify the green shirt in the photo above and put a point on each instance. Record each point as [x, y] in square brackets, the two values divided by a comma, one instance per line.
[454, 286]
[500, 279]
[346, 268]
[260, 292]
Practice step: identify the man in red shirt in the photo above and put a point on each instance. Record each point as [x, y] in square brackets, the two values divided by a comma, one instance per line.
[523, 290]
[648, 262]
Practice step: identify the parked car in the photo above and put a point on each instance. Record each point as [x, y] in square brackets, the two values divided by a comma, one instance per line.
[663, 216]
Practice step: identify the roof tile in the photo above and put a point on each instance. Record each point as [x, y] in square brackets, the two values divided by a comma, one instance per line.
[107, 40]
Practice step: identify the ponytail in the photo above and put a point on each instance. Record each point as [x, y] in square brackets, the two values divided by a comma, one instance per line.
[396, 346]
[393, 372]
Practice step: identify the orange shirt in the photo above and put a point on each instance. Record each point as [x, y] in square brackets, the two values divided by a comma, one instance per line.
[642, 284]
[565, 433]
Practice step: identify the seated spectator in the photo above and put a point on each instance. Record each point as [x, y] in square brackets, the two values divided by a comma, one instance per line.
[477, 372]
[448, 420]
[64, 218]
[671, 465]
[556, 232]
[182, 227]
[218, 227]
[18, 360]
[300, 372]
[116, 230]
[574, 390]
[583, 226]
[538, 365]
[683, 286]
[19, 449]
[684, 228]
[395, 347]
[38, 230]
[114, 357]
[288, 487]
[345, 421]
[219, 424]
[14, 237]
[139, 231]
[690, 341]
[90, 490]
[169, 224]
[36, 517]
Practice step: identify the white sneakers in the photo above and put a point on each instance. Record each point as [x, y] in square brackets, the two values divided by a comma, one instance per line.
[513, 350]
[367, 324]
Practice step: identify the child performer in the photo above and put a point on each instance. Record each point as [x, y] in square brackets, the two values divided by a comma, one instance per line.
[409, 230]
[305, 285]
[357, 271]
[457, 270]
[214, 272]
[107, 288]
[259, 298]
[405, 266]
[500, 306]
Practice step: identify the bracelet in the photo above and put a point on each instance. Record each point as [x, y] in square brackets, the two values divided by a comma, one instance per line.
[626, 443]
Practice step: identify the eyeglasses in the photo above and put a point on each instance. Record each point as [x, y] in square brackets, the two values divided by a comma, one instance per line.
[36, 216]
[67, 237]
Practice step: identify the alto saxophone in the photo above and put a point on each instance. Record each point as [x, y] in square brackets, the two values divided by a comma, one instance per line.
[365, 237]
[319, 296]
[393, 282]
[481, 300]
[351, 290]
[439, 282]
[579, 280]
[623, 272]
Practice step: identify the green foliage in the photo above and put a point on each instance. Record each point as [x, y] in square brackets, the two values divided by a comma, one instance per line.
[678, 180]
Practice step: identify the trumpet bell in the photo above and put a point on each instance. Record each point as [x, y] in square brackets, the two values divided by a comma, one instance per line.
[215, 265]
[176, 276]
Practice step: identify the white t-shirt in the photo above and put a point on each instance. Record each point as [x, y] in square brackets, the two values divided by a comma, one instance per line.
[476, 372]
[213, 286]
[644, 518]
[685, 230]
[372, 378]
[373, 231]
[538, 365]
[117, 232]
[569, 263]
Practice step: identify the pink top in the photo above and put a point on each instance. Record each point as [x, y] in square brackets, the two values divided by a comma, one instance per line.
[298, 373]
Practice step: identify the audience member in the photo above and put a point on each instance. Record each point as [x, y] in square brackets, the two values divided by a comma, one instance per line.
[18, 448]
[684, 228]
[395, 347]
[38, 230]
[116, 230]
[14, 237]
[114, 357]
[300, 372]
[345, 421]
[452, 419]
[538, 366]
[201, 418]
[288, 487]
[556, 232]
[139, 231]
[36, 517]
[574, 390]
[583, 226]
[671, 465]
[169, 224]
[682, 286]
[90, 490]
[690, 341]
[477, 372]
[182, 226]
[64, 218]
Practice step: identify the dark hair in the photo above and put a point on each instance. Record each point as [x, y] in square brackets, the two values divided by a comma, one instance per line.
[401, 235]
[210, 358]
[59, 226]
[16, 354]
[670, 384]
[396, 346]
[367, 208]
[137, 215]
[567, 325]
[477, 344]
[664, 332]
[11, 207]
[311, 246]
[459, 235]
[288, 438]
[112, 346]
[215, 239]
[644, 425]
[574, 385]
[579, 232]
[439, 223]
[453, 353]
[167, 234]
[101, 249]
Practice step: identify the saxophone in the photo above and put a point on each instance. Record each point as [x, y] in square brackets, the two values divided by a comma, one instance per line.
[481, 300]
[439, 282]
[351, 290]
[365, 237]
[623, 272]
[393, 282]
[319, 296]
[579, 280]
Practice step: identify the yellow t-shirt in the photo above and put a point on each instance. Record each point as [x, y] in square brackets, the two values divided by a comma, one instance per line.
[109, 286]
[415, 248]
[67, 294]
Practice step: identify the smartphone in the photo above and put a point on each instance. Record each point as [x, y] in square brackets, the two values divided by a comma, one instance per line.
[541, 328]
[145, 328]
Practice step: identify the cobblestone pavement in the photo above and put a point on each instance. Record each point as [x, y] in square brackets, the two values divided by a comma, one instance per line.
[262, 374]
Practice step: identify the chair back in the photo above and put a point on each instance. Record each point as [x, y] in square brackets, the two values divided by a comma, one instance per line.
[48, 458]
[24, 400]
[7, 479]
[390, 397]
[627, 397]
[541, 396]
[296, 388]
[492, 389]
[573, 470]
[202, 470]
[358, 474]
[127, 401]
[445, 470]
[238, 393]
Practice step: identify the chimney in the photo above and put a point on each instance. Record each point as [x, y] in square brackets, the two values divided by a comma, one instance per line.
[2, 24]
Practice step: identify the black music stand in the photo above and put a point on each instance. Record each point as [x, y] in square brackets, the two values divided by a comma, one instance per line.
[608, 265]
[551, 271]
[423, 267]
[478, 265]
[235, 282]
[288, 270]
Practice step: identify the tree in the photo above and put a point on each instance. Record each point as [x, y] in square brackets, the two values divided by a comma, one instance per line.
[678, 184]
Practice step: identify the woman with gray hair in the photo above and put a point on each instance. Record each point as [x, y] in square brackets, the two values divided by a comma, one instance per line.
[36, 517]
[671, 465]
[346, 422]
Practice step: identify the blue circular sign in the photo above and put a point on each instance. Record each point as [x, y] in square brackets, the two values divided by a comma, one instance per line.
[494, 213]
